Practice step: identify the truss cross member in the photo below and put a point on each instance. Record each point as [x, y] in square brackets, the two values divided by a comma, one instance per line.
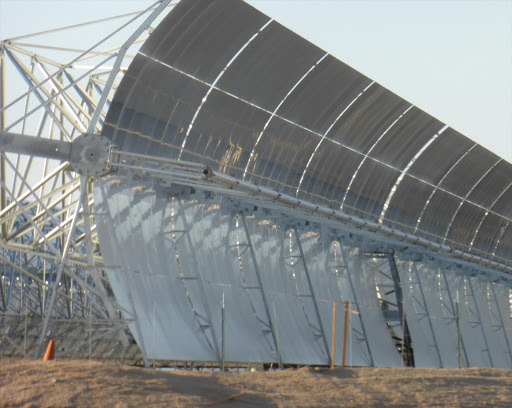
[65, 254]
[34, 146]
[128, 289]
[262, 290]
[356, 301]
[427, 313]
[89, 153]
[3, 126]
[500, 317]
[454, 318]
[4, 303]
[313, 298]
[407, 340]
[479, 317]
[119, 59]
[13, 343]
[93, 270]
[201, 287]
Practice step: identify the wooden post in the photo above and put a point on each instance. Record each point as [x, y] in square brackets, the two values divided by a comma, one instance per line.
[333, 348]
[345, 334]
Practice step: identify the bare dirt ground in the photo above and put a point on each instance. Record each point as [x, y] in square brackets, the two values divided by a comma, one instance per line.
[66, 383]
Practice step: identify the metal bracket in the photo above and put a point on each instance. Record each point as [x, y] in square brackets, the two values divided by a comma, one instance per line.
[90, 154]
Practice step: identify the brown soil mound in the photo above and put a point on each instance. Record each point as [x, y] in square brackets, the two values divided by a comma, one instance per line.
[28, 383]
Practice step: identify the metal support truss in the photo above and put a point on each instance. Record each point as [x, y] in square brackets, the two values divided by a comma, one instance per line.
[96, 277]
[51, 269]
[449, 309]
[3, 126]
[362, 336]
[390, 302]
[424, 313]
[475, 312]
[498, 316]
[269, 323]
[318, 331]
[192, 277]
[128, 290]
[408, 353]
[53, 281]
[65, 253]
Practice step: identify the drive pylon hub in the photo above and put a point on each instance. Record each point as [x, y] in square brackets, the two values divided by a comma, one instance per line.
[90, 154]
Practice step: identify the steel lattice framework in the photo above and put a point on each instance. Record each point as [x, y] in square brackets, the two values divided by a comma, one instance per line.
[234, 160]
[49, 238]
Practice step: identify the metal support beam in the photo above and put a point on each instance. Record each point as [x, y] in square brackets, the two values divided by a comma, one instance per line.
[65, 254]
[119, 59]
[28, 216]
[129, 293]
[262, 290]
[313, 298]
[356, 300]
[427, 314]
[310, 208]
[199, 280]
[406, 335]
[92, 267]
[45, 118]
[34, 146]
[453, 311]
[34, 89]
[89, 153]
[479, 317]
[13, 343]
[500, 318]
[3, 126]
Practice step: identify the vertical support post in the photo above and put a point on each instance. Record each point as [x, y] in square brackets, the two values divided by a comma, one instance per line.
[459, 346]
[43, 286]
[427, 313]
[345, 332]
[223, 365]
[4, 304]
[500, 316]
[406, 340]
[333, 347]
[263, 295]
[356, 301]
[92, 267]
[403, 340]
[277, 333]
[479, 316]
[313, 298]
[209, 319]
[3, 196]
[65, 253]
[454, 311]
[142, 346]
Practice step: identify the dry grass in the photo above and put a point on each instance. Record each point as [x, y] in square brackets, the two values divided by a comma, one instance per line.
[28, 383]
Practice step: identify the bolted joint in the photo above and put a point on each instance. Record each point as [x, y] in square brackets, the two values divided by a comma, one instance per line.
[90, 154]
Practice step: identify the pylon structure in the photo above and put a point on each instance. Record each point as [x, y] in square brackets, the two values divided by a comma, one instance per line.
[207, 197]
[53, 281]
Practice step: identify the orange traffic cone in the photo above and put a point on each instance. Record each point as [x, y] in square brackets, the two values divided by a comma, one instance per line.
[50, 351]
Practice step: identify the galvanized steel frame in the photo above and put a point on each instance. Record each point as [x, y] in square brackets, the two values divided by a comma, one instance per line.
[70, 109]
[85, 114]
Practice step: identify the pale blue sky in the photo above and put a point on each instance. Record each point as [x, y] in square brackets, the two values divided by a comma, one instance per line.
[452, 59]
